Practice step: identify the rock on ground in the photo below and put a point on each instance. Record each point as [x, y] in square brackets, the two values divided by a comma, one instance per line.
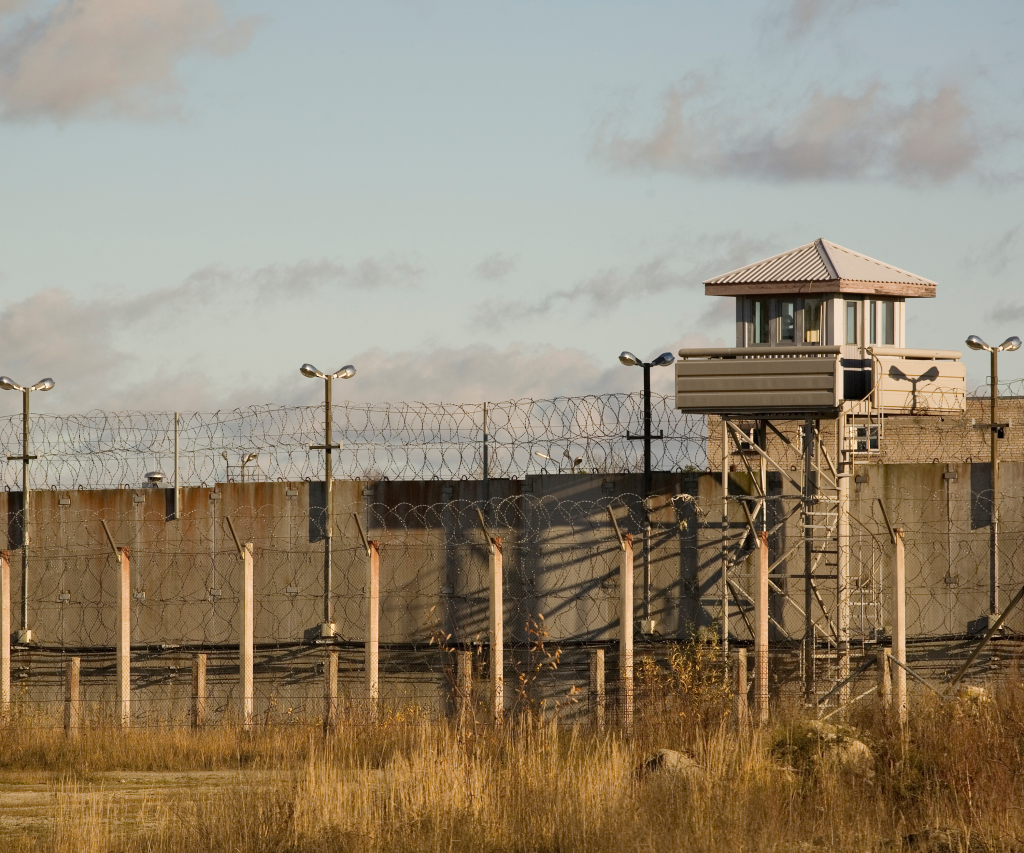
[671, 761]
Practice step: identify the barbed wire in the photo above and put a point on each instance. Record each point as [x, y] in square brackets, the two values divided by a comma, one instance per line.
[397, 441]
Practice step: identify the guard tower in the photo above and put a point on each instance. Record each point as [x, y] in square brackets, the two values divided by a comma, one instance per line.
[820, 339]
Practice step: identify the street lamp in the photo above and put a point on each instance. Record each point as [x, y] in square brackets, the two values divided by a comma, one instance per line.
[630, 360]
[243, 460]
[663, 360]
[8, 384]
[310, 372]
[997, 430]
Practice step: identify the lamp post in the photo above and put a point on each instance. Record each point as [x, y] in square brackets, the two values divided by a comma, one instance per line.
[663, 360]
[996, 430]
[243, 460]
[310, 372]
[8, 384]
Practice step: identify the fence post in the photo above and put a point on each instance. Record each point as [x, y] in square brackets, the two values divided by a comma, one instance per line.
[761, 633]
[464, 684]
[330, 690]
[124, 640]
[199, 691]
[373, 626]
[5, 633]
[72, 705]
[597, 687]
[246, 640]
[884, 682]
[899, 628]
[740, 703]
[626, 631]
[497, 631]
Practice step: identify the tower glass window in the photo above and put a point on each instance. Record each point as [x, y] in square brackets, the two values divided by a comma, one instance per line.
[851, 323]
[872, 321]
[787, 322]
[759, 314]
[812, 321]
[889, 323]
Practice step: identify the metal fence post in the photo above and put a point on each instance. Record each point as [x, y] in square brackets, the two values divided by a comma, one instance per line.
[124, 640]
[330, 690]
[626, 631]
[884, 683]
[246, 640]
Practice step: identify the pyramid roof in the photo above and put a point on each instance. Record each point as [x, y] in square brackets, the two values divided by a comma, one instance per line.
[819, 267]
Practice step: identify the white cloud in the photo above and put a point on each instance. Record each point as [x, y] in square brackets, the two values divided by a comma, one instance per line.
[609, 289]
[88, 58]
[803, 16]
[495, 267]
[933, 138]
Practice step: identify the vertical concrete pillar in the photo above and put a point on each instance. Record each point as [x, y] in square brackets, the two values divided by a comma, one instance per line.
[740, 706]
[5, 633]
[761, 633]
[626, 632]
[124, 640]
[464, 685]
[72, 696]
[597, 696]
[246, 639]
[199, 691]
[372, 653]
[899, 628]
[884, 683]
[330, 690]
[497, 631]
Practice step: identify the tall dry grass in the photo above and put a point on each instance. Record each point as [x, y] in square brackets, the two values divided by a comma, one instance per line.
[412, 785]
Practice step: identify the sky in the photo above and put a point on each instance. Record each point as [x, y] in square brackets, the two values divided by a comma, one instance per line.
[479, 201]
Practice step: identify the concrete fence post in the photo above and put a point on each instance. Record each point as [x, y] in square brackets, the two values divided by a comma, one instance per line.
[626, 632]
[761, 634]
[199, 691]
[899, 628]
[884, 683]
[497, 631]
[597, 697]
[372, 653]
[72, 696]
[124, 640]
[464, 685]
[246, 639]
[330, 690]
[5, 633]
[740, 686]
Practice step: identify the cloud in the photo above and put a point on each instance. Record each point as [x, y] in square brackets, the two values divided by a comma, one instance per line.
[75, 339]
[608, 289]
[89, 58]
[494, 267]
[994, 257]
[866, 136]
[803, 16]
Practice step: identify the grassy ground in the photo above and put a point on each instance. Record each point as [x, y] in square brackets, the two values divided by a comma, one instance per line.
[406, 784]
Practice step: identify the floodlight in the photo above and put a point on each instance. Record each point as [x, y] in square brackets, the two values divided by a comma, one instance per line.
[630, 360]
[311, 372]
[347, 372]
[1010, 344]
[663, 360]
[976, 343]
[47, 384]
[8, 384]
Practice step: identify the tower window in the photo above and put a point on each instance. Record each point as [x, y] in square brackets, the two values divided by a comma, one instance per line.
[851, 323]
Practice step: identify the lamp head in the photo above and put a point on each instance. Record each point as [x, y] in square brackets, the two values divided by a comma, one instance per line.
[225, 456]
[347, 372]
[542, 455]
[1010, 344]
[630, 360]
[250, 457]
[8, 384]
[311, 372]
[663, 360]
[976, 343]
[43, 385]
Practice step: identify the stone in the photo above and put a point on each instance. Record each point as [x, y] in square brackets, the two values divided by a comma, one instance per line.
[673, 762]
[821, 746]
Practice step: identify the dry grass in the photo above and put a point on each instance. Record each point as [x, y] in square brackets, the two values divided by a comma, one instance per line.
[409, 785]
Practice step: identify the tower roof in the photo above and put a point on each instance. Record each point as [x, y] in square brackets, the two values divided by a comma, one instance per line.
[819, 267]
